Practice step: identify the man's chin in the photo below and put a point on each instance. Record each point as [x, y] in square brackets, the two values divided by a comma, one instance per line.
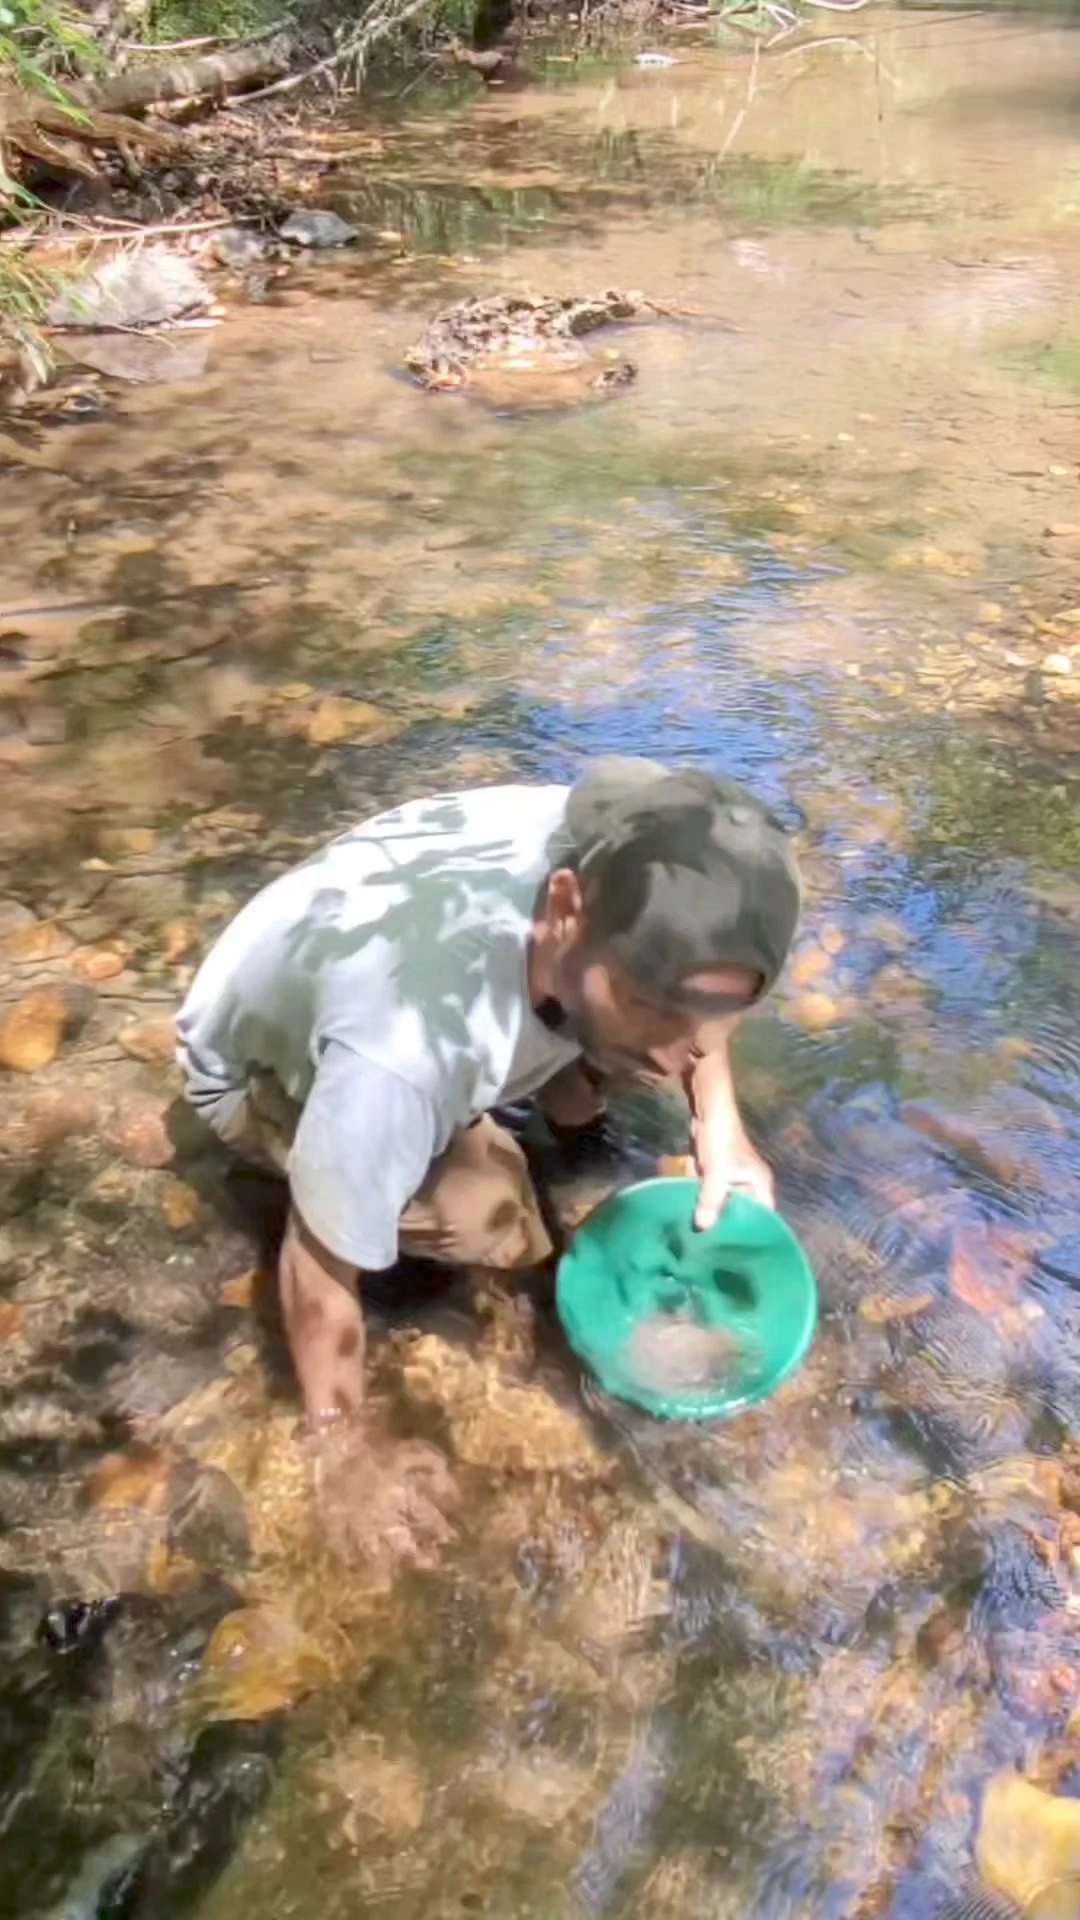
[616, 1072]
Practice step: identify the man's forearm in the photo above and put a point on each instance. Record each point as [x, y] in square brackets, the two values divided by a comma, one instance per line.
[324, 1325]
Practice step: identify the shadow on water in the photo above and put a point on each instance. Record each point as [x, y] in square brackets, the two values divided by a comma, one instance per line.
[762, 1669]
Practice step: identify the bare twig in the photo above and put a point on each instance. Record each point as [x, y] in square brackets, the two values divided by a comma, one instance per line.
[123, 230]
[382, 20]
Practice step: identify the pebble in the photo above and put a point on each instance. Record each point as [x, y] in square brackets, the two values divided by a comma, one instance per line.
[815, 1011]
[181, 937]
[1057, 663]
[151, 1041]
[808, 966]
[179, 1206]
[241, 1291]
[98, 963]
[135, 1129]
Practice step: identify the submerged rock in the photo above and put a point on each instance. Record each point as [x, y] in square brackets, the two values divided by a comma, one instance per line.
[1029, 1845]
[494, 1423]
[224, 1780]
[34, 1031]
[97, 1875]
[142, 359]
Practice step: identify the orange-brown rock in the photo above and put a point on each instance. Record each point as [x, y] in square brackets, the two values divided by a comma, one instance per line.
[35, 1029]
[151, 1041]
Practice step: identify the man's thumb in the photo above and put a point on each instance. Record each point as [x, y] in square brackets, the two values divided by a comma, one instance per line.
[710, 1201]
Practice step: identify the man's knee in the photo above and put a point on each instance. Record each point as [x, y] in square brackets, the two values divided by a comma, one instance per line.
[478, 1206]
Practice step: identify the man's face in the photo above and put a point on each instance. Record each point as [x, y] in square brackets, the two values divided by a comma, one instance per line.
[626, 1033]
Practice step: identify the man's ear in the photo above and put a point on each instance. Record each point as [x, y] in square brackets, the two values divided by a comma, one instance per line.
[564, 908]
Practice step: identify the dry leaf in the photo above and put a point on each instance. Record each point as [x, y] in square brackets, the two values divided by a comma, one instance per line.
[244, 1290]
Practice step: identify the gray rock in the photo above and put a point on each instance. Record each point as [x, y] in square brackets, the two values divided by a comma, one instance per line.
[143, 359]
[310, 227]
[143, 289]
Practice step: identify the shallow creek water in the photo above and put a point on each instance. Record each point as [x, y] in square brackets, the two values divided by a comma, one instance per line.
[829, 541]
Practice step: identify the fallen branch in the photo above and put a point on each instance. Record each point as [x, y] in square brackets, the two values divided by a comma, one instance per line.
[212, 74]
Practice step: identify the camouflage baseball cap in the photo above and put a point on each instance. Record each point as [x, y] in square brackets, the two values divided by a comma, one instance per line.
[682, 873]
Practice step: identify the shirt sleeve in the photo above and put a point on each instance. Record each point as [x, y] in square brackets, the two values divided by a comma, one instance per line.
[363, 1146]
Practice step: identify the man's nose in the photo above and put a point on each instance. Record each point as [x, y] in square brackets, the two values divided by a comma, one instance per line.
[672, 1060]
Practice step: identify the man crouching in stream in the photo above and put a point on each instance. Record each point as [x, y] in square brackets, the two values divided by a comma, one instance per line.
[358, 1022]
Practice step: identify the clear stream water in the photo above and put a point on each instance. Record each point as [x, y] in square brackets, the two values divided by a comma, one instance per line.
[828, 542]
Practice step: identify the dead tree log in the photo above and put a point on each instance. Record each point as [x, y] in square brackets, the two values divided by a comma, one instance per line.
[211, 74]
